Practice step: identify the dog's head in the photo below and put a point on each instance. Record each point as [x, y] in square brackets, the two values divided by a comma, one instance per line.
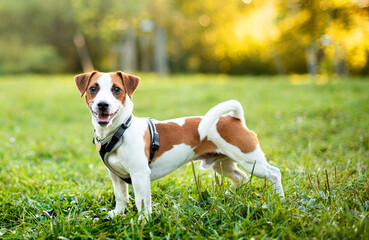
[107, 94]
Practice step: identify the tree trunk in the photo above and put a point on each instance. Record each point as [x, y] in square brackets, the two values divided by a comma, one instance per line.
[278, 62]
[340, 60]
[128, 54]
[145, 53]
[84, 57]
[312, 58]
[160, 51]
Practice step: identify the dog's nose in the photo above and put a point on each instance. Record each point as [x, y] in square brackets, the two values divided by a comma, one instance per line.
[103, 106]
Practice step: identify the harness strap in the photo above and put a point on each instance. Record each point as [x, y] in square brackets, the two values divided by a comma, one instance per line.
[154, 139]
[107, 147]
[118, 135]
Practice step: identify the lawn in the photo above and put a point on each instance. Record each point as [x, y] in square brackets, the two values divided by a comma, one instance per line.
[54, 186]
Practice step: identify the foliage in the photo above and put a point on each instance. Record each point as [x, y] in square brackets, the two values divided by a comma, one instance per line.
[53, 185]
[237, 36]
[300, 24]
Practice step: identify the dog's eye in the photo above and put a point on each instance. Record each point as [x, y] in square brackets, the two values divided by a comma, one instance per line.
[116, 90]
[93, 90]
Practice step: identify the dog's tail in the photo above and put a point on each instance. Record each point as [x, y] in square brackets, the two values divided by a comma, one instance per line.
[212, 116]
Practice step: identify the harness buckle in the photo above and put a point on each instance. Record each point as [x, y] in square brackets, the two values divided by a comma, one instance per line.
[155, 145]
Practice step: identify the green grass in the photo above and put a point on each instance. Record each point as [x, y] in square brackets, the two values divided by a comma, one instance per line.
[53, 184]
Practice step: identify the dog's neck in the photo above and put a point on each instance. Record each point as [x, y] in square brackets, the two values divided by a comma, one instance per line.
[119, 119]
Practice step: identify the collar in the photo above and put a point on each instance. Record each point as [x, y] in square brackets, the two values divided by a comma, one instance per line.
[113, 138]
[105, 139]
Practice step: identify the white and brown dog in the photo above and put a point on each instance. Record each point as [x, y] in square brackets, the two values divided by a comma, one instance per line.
[220, 140]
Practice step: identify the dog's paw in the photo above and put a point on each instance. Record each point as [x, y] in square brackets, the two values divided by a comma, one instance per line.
[114, 213]
[143, 219]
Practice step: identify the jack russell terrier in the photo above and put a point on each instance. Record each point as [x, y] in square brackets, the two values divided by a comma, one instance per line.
[140, 150]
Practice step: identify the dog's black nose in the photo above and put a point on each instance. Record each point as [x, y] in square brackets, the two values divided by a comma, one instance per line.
[103, 106]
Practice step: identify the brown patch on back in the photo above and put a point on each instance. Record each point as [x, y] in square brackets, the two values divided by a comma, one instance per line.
[205, 146]
[171, 134]
[233, 132]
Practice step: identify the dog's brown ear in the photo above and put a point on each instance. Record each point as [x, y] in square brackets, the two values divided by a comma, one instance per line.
[130, 82]
[82, 81]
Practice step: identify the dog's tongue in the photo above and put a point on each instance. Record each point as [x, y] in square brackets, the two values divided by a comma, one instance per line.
[103, 118]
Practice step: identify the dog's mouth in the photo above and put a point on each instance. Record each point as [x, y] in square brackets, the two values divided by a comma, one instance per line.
[104, 118]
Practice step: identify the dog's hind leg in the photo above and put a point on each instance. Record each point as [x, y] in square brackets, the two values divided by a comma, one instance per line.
[121, 195]
[262, 168]
[228, 168]
[231, 136]
[247, 160]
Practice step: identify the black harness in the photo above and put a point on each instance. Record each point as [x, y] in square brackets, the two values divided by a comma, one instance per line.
[103, 149]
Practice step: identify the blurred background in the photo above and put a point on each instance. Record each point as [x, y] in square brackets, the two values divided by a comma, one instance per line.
[172, 36]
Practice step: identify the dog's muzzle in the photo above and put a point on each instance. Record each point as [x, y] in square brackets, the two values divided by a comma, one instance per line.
[103, 117]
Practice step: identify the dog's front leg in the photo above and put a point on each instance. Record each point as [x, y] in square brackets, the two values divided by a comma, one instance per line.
[121, 195]
[142, 189]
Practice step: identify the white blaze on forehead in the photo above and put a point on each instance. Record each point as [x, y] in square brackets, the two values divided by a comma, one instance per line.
[105, 82]
[105, 95]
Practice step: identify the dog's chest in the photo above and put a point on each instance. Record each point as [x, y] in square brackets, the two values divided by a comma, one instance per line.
[117, 163]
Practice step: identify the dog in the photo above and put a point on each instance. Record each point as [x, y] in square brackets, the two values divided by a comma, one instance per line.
[220, 138]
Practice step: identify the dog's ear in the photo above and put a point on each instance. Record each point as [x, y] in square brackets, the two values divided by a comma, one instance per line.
[82, 81]
[130, 82]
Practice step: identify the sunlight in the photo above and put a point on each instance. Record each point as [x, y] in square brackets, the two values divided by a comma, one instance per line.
[246, 1]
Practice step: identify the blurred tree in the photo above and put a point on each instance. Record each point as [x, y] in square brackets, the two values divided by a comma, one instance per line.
[31, 38]
[332, 33]
[105, 23]
[218, 36]
[236, 36]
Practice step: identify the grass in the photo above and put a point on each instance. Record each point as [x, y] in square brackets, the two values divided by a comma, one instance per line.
[53, 185]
